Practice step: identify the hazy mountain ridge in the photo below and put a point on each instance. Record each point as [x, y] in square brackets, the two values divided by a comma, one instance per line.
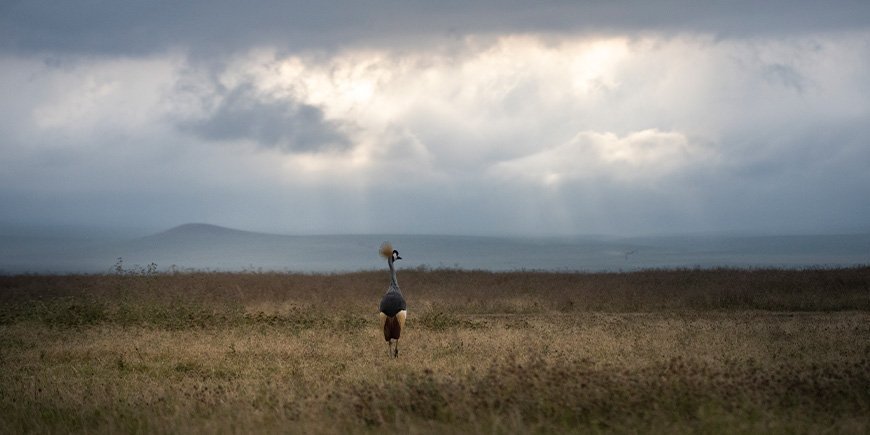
[201, 230]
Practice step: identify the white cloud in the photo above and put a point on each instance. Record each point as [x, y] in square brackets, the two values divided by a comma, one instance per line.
[643, 156]
[94, 96]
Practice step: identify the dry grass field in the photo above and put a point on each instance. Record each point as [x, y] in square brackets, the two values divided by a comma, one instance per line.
[729, 351]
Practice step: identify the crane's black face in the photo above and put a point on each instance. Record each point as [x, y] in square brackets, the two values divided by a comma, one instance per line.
[396, 255]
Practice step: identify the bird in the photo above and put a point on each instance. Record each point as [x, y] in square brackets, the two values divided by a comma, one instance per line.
[393, 309]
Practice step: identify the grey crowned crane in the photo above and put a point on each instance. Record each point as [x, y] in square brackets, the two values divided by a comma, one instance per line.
[392, 309]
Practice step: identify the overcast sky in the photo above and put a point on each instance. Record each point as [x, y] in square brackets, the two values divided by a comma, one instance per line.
[445, 117]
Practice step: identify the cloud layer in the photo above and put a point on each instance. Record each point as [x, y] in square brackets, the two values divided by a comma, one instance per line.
[559, 118]
[212, 27]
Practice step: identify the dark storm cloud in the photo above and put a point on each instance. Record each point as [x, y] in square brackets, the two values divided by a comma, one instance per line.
[127, 27]
[283, 124]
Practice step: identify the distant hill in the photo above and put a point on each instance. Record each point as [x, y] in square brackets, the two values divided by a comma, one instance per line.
[206, 246]
[203, 231]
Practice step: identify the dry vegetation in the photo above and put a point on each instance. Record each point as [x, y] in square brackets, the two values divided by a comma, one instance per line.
[663, 351]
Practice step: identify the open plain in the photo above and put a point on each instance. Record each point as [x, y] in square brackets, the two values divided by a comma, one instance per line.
[721, 351]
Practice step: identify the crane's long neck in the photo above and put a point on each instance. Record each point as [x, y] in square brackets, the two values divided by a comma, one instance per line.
[393, 281]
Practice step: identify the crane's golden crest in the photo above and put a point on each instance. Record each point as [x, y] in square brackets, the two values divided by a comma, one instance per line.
[386, 250]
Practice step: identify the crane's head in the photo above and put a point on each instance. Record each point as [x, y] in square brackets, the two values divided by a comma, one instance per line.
[388, 252]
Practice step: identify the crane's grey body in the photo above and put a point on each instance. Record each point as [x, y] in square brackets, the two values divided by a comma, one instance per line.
[393, 309]
[393, 301]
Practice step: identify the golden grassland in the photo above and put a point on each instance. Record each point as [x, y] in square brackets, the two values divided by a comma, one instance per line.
[662, 351]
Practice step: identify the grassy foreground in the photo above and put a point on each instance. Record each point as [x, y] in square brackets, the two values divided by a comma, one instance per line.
[662, 351]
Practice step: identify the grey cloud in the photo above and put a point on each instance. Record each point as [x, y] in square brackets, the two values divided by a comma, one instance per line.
[283, 124]
[785, 75]
[221, 26]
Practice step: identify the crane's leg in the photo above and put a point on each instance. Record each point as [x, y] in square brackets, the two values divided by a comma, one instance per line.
[400, 318]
